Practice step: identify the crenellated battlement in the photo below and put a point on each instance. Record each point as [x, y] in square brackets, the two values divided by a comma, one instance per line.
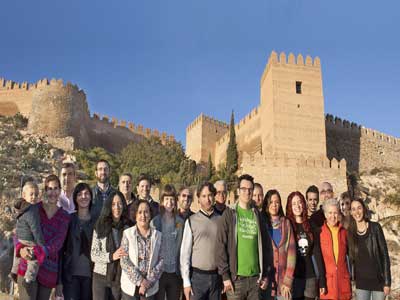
[137, 129]
[210, 120]
[13, 85]
[337, 123]
[290, 60]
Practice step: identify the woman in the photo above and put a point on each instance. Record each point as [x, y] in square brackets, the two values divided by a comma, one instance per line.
[283, 244]
[369, 255]
[54, 224]
[77, 266]
[106, 250]
[333, 240]
[309, 257]
[143, 266]
[171, 227]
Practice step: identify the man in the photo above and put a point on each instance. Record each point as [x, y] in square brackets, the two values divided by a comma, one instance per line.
[103, 188]
[143, 190]
[198, 247]
[258, 196]
[125, 187]
[312, 199]
[243, 253]
[220, 196]
[68, 181]
[325, 193]
[185, 198]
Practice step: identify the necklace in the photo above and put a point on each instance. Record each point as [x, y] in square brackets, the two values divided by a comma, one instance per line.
[362, 232]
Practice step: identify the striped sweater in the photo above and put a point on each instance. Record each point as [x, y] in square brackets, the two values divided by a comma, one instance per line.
[284, 258]
[54, 232]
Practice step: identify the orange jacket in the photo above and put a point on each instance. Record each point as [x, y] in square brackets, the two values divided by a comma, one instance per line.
[337, 276]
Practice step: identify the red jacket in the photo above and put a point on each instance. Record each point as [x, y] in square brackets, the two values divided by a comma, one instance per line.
[337, 275]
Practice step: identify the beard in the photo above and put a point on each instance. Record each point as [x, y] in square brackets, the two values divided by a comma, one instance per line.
[103, 179]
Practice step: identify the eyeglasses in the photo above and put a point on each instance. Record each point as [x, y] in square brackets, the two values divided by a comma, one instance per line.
[246, 190]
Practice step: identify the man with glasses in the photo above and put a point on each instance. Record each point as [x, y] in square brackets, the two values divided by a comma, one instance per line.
[325, 193]
[220, 196]
[242, 248]
[185, 199]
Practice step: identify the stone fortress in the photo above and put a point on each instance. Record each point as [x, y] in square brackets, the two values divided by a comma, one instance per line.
[61, 113]
[288, 142]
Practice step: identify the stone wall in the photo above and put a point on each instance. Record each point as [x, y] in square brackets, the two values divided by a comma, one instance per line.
[292, 173]
[16, 97]
[364, 149]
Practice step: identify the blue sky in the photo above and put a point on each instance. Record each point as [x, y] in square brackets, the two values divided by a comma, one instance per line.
[161, 63]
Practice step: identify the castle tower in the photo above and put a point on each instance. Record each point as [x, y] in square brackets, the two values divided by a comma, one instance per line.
[292, 106]
[201, 137]
[59, 111]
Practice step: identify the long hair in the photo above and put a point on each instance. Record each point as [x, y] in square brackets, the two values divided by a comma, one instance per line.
[105, 221]
[352, 231]
[267, 202]
[290, 215]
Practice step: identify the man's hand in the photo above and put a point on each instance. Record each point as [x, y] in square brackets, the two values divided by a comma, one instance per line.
[187, 291]
[228, 286]
[142, 290]
[263, 283]
[322, 291]
[145, 283]
[386, 290]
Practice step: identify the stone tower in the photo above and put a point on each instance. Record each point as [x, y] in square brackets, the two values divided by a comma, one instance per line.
[60, 111]
[292, 106]
[202, 136]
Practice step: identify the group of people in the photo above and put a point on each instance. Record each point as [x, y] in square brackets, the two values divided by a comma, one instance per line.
[106, 243]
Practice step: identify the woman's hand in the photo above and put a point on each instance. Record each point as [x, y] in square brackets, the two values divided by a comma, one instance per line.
[285, 292]
[59, 290]
[119, 253]
[26, 253]
[322, 291]
[386, 290]
[144, 286]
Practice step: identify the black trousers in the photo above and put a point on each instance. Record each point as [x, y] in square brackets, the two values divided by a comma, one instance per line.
[37, 292]
[169, 287]
[80, 288]
[102, 291]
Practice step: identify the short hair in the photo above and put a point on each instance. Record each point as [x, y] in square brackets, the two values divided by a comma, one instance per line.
[210, 186]
[312, 189]
[221, 182]
[258, 185]
[125, 174]
[103, 161]
[68, 165]
[51, 178]
[143, 177]
[182, 188]
[168, 191]
[79, 188]
[327, 183]
[246, 177]
[30, 184]
[135, 207]
[345, 195]
[330, 202]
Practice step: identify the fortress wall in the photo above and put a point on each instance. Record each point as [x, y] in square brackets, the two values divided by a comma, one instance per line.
[363, 148]
[15, 97]
[248, 137]
[113, 134]
[288, 174]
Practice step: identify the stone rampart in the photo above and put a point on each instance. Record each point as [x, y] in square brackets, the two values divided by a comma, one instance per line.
[363, 148]
[288, 173]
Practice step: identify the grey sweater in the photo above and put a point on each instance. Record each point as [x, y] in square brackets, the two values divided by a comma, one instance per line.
[199, 244]
[28, 224]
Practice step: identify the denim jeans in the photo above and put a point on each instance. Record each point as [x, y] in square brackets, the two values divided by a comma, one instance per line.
[206, 286]
[369, 295]
[245, 288]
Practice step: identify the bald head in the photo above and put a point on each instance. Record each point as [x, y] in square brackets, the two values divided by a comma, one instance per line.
[325, 191]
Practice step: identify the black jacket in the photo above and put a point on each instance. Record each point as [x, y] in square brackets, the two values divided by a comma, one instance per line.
[377, 248]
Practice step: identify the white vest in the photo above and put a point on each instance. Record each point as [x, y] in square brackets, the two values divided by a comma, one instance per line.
[127, 286]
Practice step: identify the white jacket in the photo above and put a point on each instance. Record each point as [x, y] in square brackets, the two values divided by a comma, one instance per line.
[129, 264]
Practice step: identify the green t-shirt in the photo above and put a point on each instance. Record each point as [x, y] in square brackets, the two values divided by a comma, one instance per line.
[247, 242]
